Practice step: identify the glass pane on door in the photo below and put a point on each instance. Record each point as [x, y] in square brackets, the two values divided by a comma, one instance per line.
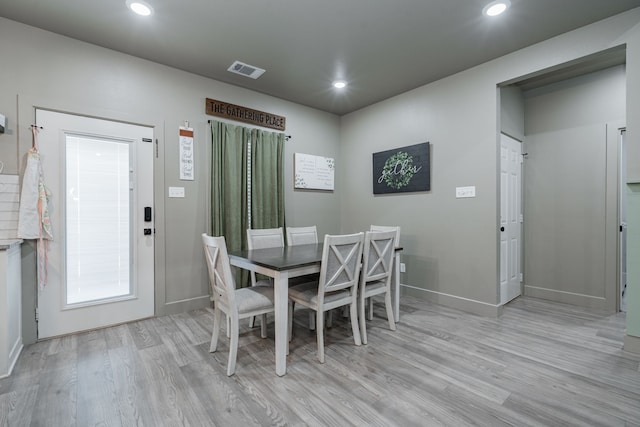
[98, 219]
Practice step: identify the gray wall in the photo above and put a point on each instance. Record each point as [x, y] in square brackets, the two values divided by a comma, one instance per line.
[593, 98]
[451, 245]
[54, 72]
[632, 339]
[512, 112]
[446, 240]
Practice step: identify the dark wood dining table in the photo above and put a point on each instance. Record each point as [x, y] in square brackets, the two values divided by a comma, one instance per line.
[283, 264]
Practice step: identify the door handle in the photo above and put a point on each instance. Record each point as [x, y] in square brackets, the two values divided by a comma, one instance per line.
[501, 228]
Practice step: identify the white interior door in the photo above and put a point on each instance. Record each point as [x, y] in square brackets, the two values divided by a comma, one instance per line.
[510, 218]
[100, 261]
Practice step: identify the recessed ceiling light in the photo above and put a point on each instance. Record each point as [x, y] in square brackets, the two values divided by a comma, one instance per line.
[339, 84]
[140, 7]
[496, 7]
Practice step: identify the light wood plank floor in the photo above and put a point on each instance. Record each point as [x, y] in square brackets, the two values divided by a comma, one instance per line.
[541, 363]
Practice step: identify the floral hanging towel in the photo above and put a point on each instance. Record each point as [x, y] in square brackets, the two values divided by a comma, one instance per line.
[33, 217]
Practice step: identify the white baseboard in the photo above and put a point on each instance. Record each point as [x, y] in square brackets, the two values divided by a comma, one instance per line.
[13, 358]
[465, 304]
[581, 300]
[176, 307]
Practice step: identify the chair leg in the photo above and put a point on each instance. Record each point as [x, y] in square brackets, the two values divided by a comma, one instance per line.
[370, 301]
[228, 327]
[390, 316]
[233, 346]
[290, 320]
[252, 319]
[320, 334]
[263, 326]
[329, 318]
[216, 330]
[362, 321]
[289, 324]
[353, 313]
[312, 320]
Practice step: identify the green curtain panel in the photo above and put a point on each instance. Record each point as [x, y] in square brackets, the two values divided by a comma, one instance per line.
[229, 216]
[229, 184]
[267, 188]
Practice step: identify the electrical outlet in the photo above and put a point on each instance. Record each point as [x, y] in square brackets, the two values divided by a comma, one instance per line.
[465, 192]
[176, 192]
[403, 268]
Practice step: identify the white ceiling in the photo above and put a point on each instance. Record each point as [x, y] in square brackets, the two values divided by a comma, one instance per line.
[381, 47]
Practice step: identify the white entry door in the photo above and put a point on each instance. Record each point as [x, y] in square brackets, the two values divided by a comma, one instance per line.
[510, 217]
[100, 261]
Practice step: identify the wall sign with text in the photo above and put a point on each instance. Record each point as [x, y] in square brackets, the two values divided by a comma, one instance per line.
[239, 113]
[186, 154]
[313, 172]
[402, 170]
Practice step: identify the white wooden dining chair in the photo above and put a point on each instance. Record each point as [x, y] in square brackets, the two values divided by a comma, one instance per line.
[337, 287]
[235, 303]
[261, 239]
[265, 238]
[395, 228]
[302, 235]
[396, 266]
[375, 278]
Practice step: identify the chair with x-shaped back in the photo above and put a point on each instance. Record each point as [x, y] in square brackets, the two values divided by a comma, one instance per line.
[261, 239]
[337, 287]
[235, 303]
[375, 278]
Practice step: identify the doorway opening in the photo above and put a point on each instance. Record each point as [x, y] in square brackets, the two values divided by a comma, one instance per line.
[622, 197]
[569, 120]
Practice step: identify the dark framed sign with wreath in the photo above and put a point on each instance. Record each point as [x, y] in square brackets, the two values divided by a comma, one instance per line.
[402, 170]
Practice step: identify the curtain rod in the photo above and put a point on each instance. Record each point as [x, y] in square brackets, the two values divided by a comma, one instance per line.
[286, 137]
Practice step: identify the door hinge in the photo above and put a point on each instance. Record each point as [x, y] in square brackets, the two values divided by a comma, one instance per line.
[521, 277]
[37, 314]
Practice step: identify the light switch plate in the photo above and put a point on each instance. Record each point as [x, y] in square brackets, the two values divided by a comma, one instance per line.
[176, 192]
[464, 192]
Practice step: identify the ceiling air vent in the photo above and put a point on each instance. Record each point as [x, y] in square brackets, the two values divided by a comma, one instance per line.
[245, 70]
